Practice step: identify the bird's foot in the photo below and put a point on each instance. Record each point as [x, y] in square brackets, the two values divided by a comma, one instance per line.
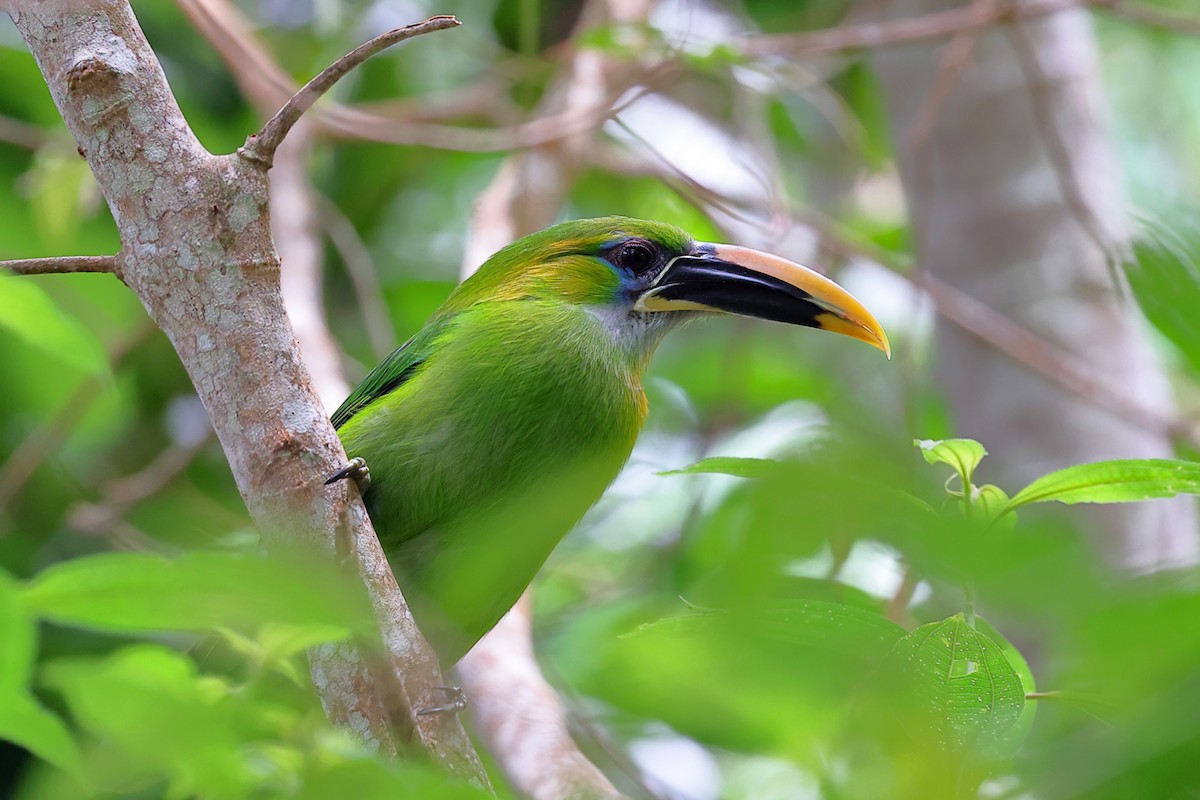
[456, 701]
[357, 470]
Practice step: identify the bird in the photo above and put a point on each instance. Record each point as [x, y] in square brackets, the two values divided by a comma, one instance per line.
[489, 433]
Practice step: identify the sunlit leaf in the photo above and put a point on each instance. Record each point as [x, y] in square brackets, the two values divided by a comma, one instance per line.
[963, 455]
[774, 677]
[728, 465]
[28, 312]
[961, 679]
[151, 703]
[198, 591]
[17, 639]
[1011, 740]
[56, 182]
[1165, 278]
[832, 627]
[1122, 481]
[25, 723]
[993, 502]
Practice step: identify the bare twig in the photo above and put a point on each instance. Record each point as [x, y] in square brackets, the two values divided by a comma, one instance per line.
[44, 440]
[260, 147]
[1017, 342]
[889, 33]
[118, 497]
[356, 258]
[21, 133]
[61, 265]
[1152, 16]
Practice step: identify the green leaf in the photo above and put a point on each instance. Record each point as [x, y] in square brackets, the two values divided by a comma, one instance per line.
[199, 591]
[962, 454]
[149, 703]
[57, 181]
[728, 465]
[794, 666]
[18, 640]
[817, 624]
[29, 313]
[994, 503]
[1122, 481]
[1166, 281]
[1012, 739]
[962, 682]
[23, 722]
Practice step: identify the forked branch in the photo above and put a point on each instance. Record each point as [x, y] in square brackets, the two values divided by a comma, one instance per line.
[260, 147]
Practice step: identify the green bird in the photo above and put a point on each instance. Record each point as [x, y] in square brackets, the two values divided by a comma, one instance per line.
[492, 430]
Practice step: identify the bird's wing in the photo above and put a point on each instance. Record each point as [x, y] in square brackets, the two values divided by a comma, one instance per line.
[393, 371]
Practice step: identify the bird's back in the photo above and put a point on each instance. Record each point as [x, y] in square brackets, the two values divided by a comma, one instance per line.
[506, 426]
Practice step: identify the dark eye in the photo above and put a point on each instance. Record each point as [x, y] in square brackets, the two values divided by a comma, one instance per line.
[636, 257]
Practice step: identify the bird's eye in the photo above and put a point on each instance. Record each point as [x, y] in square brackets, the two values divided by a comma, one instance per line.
[636, 257]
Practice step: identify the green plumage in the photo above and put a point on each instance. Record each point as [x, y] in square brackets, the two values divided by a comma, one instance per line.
[493, 430]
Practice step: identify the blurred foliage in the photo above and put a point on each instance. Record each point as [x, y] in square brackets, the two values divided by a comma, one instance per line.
[802, 603]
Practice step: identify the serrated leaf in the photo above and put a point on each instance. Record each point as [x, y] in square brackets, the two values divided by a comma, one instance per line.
[199, 591]
[29, 313]
[963, 455]
[1121, 481]
[18, 639]
[25, 723]
[728, 465]
[962, 683]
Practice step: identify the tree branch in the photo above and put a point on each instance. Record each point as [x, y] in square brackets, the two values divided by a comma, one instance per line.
[936, 25]
[57, 265]
[197, 250]
[260, 147]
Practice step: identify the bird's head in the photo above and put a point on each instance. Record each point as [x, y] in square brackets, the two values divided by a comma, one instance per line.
[642, 278]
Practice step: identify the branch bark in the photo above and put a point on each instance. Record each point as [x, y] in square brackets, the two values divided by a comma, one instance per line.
[197, 251]
[61, 264]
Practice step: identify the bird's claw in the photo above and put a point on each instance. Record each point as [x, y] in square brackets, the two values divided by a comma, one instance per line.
[357, 470]
[457, 701]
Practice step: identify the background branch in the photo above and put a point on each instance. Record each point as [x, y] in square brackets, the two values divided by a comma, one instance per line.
[261, 146]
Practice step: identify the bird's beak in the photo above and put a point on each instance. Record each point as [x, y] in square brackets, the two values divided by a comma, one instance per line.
[738, 280]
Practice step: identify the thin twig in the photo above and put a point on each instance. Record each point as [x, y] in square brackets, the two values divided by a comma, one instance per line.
[1152, 16]
[44, 440]
[260, 147]
[907, 30]
[57, 265]
[22, 134]
[1021, 345]
[360, 267]
[118, 497]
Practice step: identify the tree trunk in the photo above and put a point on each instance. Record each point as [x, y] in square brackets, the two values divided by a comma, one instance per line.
[1015, 198]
